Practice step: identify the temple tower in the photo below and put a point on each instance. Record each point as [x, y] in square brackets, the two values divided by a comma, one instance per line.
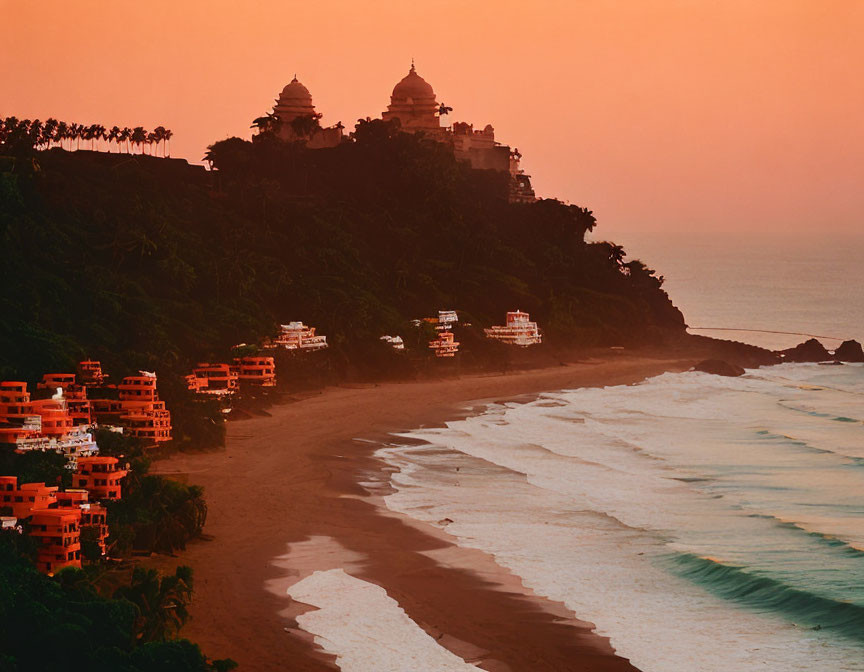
[298, 120]
[294, 101]
[413, 104]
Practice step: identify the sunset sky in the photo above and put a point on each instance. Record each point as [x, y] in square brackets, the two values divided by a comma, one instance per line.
[656, 114]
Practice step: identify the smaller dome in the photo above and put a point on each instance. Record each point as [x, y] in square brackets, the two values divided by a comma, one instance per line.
[296, 93]
[413, 86]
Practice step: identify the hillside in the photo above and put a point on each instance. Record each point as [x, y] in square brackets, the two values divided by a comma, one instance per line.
[152, 263]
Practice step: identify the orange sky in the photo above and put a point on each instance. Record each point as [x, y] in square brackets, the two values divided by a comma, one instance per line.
[657, 114]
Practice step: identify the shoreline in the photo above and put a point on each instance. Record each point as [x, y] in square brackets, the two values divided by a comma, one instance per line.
[286, 498]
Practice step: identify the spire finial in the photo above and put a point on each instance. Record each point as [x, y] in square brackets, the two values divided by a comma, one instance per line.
[412, 64]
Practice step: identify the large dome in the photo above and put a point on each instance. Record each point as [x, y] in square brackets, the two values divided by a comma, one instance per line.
[413, 86]
[296, 93]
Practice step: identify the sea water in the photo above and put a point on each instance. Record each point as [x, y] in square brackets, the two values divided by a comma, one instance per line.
[811, 284]
[701, 522]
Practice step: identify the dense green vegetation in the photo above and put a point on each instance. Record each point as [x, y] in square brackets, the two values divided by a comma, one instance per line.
[149, 263]
[63, 623]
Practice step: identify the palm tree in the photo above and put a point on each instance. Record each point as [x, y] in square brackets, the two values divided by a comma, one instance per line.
[615, 254]
[49, 132]
[89, 133]
[126, 136]
[114, 136]
[76, 131]
[34, 133]
[159, 134]
[100, 133]
[305, 126]
[152, 139]
[139, 136]
[168, 135]
[161, 602]
[266, 123]
[61, 133]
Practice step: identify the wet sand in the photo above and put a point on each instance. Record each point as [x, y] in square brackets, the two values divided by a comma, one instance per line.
[294, 478]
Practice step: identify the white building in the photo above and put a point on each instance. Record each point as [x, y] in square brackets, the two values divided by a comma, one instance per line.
[519, 330]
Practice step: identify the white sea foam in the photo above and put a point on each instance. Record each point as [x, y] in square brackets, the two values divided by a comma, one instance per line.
[366, 629]
[587, 498]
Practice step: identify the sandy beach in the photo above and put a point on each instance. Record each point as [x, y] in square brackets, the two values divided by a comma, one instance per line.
[285, 499]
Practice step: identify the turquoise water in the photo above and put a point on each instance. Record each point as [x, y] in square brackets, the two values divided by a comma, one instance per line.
[702, 523]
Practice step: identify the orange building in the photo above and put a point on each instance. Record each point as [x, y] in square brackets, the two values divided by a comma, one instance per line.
[218, 380]
[75, 395]
[255, 370]
[90, 373]
[59, 432]
[56, 519]
[17, 420]
[41, 424]
[99, 475]
[58, 532]
[93, 515]
[445, 345]
[25, 498]
[138, 409]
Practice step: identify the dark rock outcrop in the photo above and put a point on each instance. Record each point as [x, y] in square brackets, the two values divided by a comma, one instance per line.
[808, 351]
[719, 368]
[849, 351]
[734, 352]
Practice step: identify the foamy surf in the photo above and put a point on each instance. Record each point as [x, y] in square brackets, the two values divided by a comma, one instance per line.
[366, 629]
[678, 515]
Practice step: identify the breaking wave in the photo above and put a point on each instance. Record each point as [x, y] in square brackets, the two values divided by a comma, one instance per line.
[768, 594]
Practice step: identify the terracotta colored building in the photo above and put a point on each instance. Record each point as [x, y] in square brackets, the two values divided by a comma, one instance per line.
[90, 373]
[213, 379]
[445, 345]
[138, 409]
[56, 519]
[100, 476]
[256, 370]
[17, 420]
[93, 515]
[75, 395]
[58, 532]
[26, 497]
[42, 424]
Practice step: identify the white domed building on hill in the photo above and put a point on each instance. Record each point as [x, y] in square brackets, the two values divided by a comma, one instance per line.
[414, 105]
[297, 120]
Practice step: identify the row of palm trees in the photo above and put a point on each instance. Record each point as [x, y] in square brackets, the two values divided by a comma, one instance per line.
[38, 134]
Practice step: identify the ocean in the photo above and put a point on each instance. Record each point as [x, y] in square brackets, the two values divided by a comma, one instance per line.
[811, 284]
[702, 523]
